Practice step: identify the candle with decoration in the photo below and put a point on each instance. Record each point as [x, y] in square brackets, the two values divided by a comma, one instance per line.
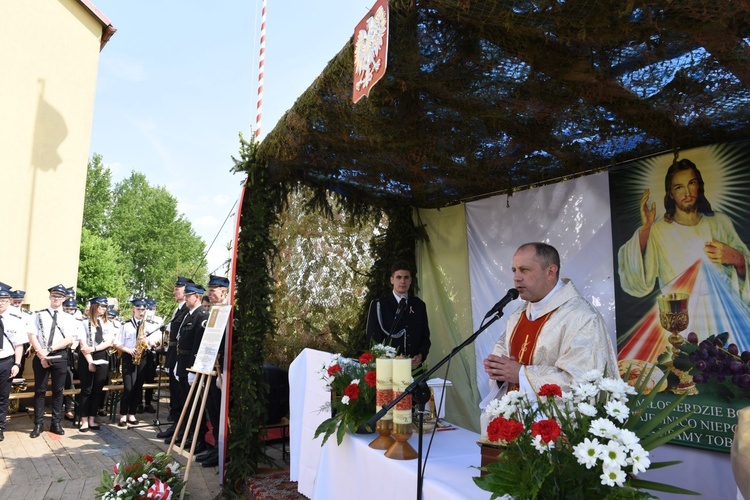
[402, 428]
[383, 396]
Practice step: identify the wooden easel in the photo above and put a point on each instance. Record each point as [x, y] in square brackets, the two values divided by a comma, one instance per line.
[201, 383]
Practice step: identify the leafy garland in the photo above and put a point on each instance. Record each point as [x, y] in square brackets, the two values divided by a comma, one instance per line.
[253, 319]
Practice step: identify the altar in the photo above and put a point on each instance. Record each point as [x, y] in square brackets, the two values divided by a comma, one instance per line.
[353, 469]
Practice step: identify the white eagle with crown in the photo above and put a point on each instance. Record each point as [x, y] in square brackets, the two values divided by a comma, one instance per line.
[368, 45]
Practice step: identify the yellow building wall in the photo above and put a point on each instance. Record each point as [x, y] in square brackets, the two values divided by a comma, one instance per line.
[48, 60]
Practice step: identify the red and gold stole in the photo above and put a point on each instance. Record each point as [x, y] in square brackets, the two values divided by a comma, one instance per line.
[523, 340]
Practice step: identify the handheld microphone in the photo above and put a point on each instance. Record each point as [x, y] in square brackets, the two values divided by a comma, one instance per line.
[511, 295]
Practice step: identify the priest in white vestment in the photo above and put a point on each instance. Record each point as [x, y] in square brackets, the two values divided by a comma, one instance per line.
[554, 337]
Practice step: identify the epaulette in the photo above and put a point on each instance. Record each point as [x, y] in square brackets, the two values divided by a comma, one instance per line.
[15, 315]
[26, 311]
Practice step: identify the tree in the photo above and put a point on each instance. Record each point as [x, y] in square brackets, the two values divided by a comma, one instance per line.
[98, 198]
[102, 269]
[158, 242]
[134, 243]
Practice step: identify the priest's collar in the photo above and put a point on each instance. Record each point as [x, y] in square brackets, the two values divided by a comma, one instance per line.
[535, 308]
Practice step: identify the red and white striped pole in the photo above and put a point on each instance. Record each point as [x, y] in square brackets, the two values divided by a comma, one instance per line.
[261, 62]
[223, 428]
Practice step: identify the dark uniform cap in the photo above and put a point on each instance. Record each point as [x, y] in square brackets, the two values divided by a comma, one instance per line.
[4, 290]
[111, 313]
[191, 288]
[70, 292]
[17, 294]
[139, 303]
[182, 281]
[59, 289]
[101, 300]
[214, 281]
[70, 303]
[150, 304]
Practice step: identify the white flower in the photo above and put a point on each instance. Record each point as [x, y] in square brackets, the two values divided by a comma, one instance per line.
[612, 476]
[638, 459]
[618, 388]
[604, 428]
[628, 439]
[587, 452]
[614, 455]
[354, 382]
[587, 409]
[590, 376]
[617, 410]
[584, 391]
[174, 466]
[542, 447]
[345, 400]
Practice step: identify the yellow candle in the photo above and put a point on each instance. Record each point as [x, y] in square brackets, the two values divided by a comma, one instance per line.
[384, 385]
[402, 380]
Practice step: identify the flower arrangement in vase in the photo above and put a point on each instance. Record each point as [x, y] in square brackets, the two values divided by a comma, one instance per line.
[588, 443]
[351, 383]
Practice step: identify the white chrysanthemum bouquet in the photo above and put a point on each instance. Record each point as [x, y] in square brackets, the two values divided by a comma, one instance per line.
[586, 443]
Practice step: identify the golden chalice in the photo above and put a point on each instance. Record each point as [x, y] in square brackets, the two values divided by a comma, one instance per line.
[673, 316]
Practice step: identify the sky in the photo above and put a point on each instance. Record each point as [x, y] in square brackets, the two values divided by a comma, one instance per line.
[177, 83]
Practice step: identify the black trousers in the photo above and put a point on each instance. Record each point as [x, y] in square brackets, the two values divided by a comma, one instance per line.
[92, 384]
[213, 406]
[58, 370]
[174, 386]
[149, 375]
[132, 381]
[6, 364]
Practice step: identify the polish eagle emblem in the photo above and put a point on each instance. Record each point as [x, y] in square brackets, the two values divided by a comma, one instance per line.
[368, 47]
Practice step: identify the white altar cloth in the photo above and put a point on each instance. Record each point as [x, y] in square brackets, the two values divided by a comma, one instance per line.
[354, 470]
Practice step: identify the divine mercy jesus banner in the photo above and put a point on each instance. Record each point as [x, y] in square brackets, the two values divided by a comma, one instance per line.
[680, 230]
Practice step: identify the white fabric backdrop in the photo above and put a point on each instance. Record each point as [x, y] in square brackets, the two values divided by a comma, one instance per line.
[572, 216]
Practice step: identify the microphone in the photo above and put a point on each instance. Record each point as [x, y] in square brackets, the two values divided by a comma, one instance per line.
[511, 295]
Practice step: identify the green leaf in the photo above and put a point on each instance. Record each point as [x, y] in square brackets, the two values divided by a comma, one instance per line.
[666, 488]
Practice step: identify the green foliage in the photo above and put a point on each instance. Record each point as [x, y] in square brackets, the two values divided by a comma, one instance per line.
[102, 268]
[98, 198]
[159, 242]
[253, 320]
[128, 479]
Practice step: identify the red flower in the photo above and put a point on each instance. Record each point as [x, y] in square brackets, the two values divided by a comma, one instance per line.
[550, 390]
[334, 369]
[366, 358]
[352, 390]
[371, 378]
[148, 458]
[548, 429]
[118, 487]
[504, 429]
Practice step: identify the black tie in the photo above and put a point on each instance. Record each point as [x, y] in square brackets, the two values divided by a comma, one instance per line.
[2, 332]
[401, 307]
[52, 331]
[99, 337]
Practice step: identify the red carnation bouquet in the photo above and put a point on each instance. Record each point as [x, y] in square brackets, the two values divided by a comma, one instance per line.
[588, 443]
[352, 386]
[142, 477]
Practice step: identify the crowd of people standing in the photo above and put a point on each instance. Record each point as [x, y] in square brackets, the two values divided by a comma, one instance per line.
[91, 348]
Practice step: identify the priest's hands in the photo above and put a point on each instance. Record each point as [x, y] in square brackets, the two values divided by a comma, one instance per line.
[502, 368]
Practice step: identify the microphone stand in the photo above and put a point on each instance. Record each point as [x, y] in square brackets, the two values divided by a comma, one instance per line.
[421, 393]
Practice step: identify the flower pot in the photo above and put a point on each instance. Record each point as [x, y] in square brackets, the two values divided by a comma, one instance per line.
[490, 454]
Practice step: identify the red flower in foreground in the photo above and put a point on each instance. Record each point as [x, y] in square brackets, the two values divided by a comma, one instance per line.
[504, 429]
[334, 369]
[366, 358]
[371, 378]
[148, 458]
[352, 390]
[550, 390]
[117, 487]
[548, 429]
